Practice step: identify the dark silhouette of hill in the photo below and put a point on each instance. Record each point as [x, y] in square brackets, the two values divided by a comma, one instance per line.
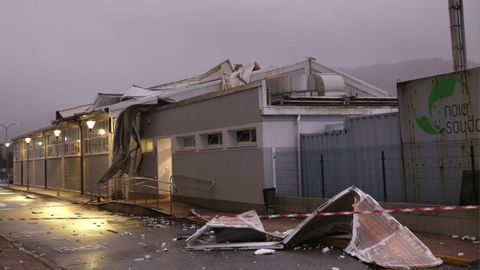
[385, 76]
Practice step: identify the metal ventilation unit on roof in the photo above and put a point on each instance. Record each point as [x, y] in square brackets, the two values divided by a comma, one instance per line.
[301, 85]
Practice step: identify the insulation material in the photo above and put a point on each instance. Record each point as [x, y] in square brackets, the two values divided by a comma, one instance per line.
[126, 142]
[239, 76]
[244, 231]
[381, 239]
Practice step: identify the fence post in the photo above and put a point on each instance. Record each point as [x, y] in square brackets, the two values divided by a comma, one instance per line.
[323, 175]
[134, 193]
[472, 158]
[384, 178]
[145, 192]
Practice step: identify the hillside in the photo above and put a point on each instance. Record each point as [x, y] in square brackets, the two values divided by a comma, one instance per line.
[385, 76]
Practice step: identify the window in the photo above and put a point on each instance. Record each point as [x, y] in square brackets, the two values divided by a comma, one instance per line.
[246, 136]
[185, 143]
[214, 139]
[188, 142]
[147, 145]
[39, 147]
[72, 141]
[54, 148]
[17, 150]
[96, 140]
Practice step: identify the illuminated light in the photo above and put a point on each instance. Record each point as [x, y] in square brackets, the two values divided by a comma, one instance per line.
[57, 132]
[40, 143]
[102, 132]
[7, 144]
[90, 124]
[28, 140]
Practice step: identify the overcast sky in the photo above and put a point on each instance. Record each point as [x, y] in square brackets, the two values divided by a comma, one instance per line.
[58, 54]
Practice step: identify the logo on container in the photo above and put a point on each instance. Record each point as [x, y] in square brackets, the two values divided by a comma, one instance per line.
[459, 117]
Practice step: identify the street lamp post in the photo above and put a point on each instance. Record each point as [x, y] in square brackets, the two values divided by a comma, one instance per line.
[28, 140]
[90, 125]
[7, 144]
[57, 132]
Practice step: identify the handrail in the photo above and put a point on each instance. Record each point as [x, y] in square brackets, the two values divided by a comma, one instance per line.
[145, 182]
[210, 182]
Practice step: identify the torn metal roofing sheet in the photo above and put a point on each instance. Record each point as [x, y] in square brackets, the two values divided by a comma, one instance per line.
[65, 113]
[103, 100]
[244, 231]
[212, 74]
[376, 238]
[136, 92]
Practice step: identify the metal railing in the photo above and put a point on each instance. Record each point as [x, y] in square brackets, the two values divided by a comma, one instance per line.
[138, 185]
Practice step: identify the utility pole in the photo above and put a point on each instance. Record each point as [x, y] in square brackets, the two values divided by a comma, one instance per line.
[457, 33]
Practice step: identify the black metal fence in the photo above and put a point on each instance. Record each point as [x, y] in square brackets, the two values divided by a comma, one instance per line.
[428, 173]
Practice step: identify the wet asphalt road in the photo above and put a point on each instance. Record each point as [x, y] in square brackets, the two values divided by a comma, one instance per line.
[112, 241]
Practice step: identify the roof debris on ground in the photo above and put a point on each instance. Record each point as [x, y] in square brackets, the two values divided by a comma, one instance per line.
[376, 238]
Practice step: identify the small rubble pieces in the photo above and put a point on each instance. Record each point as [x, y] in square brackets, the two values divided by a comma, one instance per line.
[243, 232]
[264, 251]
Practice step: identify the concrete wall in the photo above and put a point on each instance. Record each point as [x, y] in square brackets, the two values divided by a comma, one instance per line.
[237, 173]
[235, 109]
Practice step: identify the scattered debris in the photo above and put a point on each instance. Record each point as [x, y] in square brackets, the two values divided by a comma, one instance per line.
[37, 212]
[335, 268]
[455, 236]
[148, 257]
[468, 237]
[112, 231]
[264, 251]
[244, 231]
[375, 238]
[29, 197]
[139, 259]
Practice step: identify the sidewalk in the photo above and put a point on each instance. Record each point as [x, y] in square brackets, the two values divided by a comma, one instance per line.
[452, 250]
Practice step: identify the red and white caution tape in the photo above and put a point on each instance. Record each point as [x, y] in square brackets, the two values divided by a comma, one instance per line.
[320, 214]
[377, 211]
[47, 218]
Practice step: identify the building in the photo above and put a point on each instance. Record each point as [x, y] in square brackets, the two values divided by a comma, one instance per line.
[213, 135]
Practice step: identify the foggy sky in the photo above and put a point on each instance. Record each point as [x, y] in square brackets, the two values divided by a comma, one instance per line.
[58, 54]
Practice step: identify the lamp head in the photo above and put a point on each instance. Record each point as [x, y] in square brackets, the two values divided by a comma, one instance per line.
[7, 144]
[102, 132]
[28, 140]
[90, 124]
[57, 132]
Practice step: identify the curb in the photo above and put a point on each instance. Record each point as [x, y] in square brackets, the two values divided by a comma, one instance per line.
[454, 260]
[35, 256]
[47, 195]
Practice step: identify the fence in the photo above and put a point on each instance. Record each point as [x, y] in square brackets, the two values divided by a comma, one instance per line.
[429, 173]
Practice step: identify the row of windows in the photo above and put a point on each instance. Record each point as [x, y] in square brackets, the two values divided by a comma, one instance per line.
[67, 143]
[243, 137]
